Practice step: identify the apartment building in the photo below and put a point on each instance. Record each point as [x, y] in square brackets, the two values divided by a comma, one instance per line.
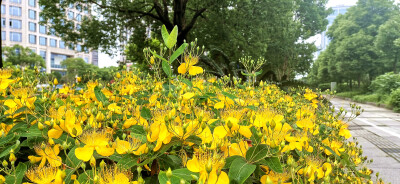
[20, 25]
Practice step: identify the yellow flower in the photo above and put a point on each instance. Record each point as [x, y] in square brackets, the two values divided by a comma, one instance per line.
[133, 145]
[209, 165]
[188, 65]
[275, 177]
[4, 129]
[336, 146]
[4, 81]
[114, 175]
[46, 152]
[115, 108]
[45, 175]
[315, 168]
[94, 140]
[239, 149]
[70, 125]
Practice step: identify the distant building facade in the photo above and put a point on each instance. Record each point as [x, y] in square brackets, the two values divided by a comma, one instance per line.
[20, 25]
[337, 10]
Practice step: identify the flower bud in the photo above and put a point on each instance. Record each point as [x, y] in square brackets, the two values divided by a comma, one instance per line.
[12, 158]
[4, 163]
[169, 173]
[92, 162]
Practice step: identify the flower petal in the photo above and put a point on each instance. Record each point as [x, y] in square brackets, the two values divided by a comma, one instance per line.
[182, 69]
[84, 153]
[194, 70]
[220, 132]
[223, 178]
[104, 151]
[193, 165]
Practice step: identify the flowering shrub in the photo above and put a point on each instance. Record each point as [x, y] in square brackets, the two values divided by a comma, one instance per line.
[185, 129]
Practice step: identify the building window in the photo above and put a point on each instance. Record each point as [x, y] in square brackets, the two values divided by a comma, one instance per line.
[3, 22]
[79, 7]
[43, 54]
[53, 42]
[32, 26]
[52, 32]
[33, 50]
[42, 40]
[71, 46]
[15, 11]
[78, 27]
[32, 39]
[15, 24]
[71, 5]
[15, 1]
[86, 10]
[3, 35]
[56, 60]
[71, 15]
[3, 9]
[79, 48]
[16, 37]
[86, 59]
[62, 44]
[32, 3]
[32, 14]
[79, 17]
[42, 29]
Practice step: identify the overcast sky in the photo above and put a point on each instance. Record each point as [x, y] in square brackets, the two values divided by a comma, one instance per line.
[105, 60]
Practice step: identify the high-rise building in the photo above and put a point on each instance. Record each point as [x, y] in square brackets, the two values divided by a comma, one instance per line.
[337, 10]
[20, 25]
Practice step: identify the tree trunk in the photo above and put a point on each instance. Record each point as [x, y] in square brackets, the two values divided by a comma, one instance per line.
[351, 84]
[359, 81]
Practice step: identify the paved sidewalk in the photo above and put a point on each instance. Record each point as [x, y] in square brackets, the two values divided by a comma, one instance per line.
[378, 131]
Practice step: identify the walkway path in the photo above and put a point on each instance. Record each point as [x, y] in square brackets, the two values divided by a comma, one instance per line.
[378, 131]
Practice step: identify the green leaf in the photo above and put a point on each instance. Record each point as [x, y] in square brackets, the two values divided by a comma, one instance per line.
[172, 38]
[256, 153]
[33, 131]
[187, 82]
[252, 107]
[194, 139]
[259, 72]
[99, 95]
[177, 175]
[158, 56]
[240, 170]
[22, 109]
[71, 159]
[7, 139]
[128, 161]
[145, 113]
[166, 68]
[19, 174]
[178, 52]
[138, 132]
[164, 34]
[274, 164]
[233, 97]
[229, 160]
[85, 177]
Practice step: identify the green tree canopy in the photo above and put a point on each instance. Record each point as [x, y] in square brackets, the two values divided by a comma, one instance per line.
[388, 35]
[23, 56]
[358, 39]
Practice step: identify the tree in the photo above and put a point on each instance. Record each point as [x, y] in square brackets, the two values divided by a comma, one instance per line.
[388, 33]
[23, 56]
[113, 20]
[275, 30]
[77, 67]
[352, 53]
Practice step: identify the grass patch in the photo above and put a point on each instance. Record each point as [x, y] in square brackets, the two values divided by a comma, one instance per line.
[349, 94]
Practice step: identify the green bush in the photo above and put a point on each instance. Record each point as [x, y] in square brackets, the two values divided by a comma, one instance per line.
[386, 83]
[395, 100]
[324, 86]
